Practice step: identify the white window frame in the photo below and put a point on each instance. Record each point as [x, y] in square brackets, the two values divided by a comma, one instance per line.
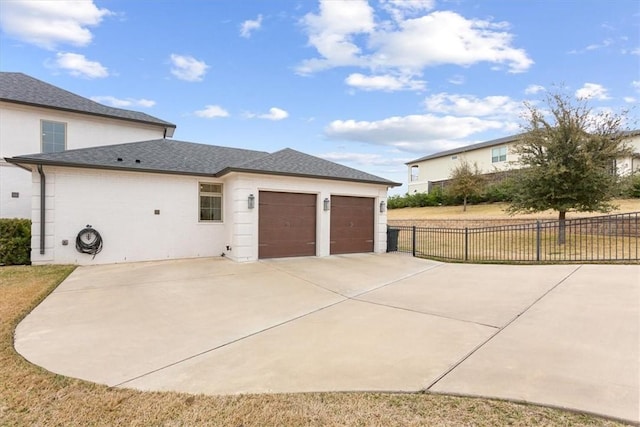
[499, 154]
[42, 136]
[415, 173]
[213, 195]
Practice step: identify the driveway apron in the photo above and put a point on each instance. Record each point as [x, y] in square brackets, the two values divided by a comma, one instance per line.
[563, 335]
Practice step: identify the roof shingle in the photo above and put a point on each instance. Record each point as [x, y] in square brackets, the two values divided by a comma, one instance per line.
[187, 158]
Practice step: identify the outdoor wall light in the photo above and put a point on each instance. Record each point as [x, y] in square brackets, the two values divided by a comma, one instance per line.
[327, 204]
[383, 206]
[251, 201]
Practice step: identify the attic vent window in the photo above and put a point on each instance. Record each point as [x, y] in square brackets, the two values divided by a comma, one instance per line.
[137, 160]
[119, 159]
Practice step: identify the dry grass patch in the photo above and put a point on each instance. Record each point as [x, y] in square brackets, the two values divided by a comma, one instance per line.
[32, 396]
[496, 211]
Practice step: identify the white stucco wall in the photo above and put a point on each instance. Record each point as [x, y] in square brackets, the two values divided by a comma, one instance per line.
[14, 180]
[630, 164]
[120, 205]
[20, 134]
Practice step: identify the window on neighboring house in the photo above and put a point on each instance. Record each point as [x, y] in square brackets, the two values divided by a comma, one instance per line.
[415, 170]
[499, 154]
[454, 157]
[210, 202]
[54, 136]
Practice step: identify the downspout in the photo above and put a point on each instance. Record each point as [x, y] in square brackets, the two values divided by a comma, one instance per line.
[43, 181]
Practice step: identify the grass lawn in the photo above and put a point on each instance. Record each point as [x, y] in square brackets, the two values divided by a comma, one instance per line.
[30, 395]
[497, 211]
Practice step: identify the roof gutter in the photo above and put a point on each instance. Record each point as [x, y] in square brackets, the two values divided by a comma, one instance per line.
[43, 182]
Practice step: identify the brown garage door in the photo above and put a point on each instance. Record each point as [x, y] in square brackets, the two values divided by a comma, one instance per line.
[351, 224]
[286, 224]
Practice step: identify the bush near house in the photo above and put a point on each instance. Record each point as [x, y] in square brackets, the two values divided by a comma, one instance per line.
[499, 191]
[630, 186]
[15, 241]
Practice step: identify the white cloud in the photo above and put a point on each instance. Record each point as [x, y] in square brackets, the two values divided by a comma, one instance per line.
[384, 82]
[273, 114]
[444, 37]
[533, 89]
[457, 79]
[416, 133]
[79, 66]
[636, 85]
[364, 159]
[345, 33]
[593, 46]
[123, 103]
[592, 90]
[50, 23]
[332, 31]
[630, 99]
[401, 9]
[212, 111]
[188, 68]
[469, 105]
[248, 26]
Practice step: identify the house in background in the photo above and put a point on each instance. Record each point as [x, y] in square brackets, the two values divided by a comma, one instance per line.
[161, 199]
[36, 117]
[492, 157]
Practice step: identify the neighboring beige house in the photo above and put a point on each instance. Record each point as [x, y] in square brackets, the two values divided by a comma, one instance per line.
[492, 156]
[36, 117]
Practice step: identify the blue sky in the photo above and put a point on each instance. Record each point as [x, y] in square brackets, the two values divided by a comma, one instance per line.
[370, 85]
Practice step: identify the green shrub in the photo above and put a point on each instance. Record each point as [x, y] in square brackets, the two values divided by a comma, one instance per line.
[630, 186]
[396, 202]
[15, 241]
[501, 191]
[416, 200]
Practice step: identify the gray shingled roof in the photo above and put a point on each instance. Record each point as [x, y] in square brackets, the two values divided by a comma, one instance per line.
[23, 89]
[467, 148]
[187, 158]
[292, 162]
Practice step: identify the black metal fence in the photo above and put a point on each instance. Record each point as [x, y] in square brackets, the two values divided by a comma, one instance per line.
[611, 238]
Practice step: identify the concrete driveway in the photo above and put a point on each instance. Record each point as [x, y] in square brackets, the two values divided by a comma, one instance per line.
[562, 335]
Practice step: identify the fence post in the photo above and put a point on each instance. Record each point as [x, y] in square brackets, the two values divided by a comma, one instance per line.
[538, 240]
[413, 240]
[466, 244]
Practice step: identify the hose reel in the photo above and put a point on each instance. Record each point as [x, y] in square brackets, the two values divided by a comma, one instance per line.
[89, 241]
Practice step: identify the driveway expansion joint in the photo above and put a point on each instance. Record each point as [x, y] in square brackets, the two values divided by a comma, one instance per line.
[498, 331]
[193, 356]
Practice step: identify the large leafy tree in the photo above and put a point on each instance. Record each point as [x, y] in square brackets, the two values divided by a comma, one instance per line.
[466, 181]
[567, 157]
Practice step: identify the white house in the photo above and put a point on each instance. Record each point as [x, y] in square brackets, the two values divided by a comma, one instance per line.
[491, 156]
[161, 198]
[36, 117]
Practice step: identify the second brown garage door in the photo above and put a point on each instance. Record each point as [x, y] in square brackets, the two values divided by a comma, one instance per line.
[351, 224]
[286, 224]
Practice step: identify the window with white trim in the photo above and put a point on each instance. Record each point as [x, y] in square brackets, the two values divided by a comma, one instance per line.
[499, 154]
[415, 172]
[54, 136]
[210, 203]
